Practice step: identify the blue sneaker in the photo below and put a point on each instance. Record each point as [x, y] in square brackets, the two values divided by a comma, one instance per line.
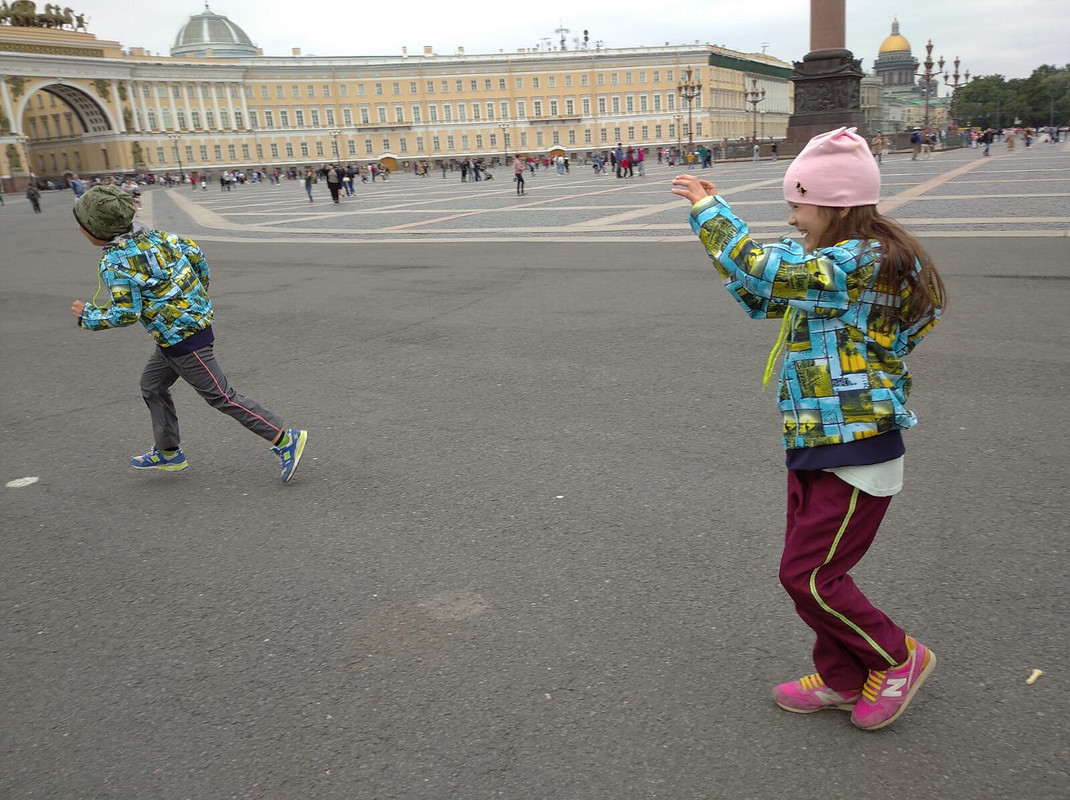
[290, 452]
[155, 459]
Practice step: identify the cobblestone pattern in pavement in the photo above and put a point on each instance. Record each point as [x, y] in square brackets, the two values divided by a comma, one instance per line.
[955, 193]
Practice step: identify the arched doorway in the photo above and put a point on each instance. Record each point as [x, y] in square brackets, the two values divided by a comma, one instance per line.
[67, 129]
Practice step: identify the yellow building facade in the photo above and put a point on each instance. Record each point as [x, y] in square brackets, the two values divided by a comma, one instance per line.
[70, 102]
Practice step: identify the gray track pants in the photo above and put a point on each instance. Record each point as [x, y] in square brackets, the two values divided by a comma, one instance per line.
[201, 371]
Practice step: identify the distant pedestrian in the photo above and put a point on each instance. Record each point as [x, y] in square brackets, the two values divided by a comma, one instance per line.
[876, 146]
[309, 178]
[33, 194]
[518, 174]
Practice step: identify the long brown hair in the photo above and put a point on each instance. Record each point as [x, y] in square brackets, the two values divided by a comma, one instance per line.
[904, 295]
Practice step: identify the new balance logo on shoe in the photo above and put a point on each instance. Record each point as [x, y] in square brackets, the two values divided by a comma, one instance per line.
[895, 687]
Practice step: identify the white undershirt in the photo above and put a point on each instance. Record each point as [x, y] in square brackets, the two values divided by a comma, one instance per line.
[879, 480]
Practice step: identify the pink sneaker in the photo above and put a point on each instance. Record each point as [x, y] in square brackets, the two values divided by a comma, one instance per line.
[888, 692]
[810, 694]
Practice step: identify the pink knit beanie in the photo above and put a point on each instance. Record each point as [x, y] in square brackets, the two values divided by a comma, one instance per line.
[835, 169]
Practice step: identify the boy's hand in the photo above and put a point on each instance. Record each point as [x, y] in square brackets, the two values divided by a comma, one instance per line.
[692, 188]
[77, 307]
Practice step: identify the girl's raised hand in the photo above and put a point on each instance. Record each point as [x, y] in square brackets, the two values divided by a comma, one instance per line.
[692, 188]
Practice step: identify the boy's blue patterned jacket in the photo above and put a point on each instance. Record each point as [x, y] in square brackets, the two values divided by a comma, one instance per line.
[157, 278]
[842, 379]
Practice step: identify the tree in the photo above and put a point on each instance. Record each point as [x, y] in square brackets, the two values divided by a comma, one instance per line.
[1041, 99]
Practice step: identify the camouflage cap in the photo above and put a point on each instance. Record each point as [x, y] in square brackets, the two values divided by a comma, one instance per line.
[104, 212]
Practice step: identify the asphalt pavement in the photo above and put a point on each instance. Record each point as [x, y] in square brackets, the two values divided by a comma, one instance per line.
[531, 551]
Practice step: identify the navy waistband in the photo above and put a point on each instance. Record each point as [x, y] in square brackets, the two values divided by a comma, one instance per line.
[198, 340]
[872, 450]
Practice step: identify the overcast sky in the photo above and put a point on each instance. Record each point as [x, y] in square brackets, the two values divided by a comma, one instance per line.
[1007, 37]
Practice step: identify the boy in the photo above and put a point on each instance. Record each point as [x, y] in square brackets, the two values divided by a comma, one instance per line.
[162, 281]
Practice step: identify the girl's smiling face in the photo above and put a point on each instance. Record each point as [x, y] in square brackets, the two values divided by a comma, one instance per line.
[810, 221]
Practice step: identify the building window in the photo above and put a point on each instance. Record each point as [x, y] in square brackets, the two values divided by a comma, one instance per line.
[159, 154]
[553, 108]
[657, 131]
[601, 105]
[432, 113]
[475, 112]
[399, 114]
[360, 90]
[587, 136]
[479, 141]
[603, 135]
[239, 120]
[284, 118]
[430, 87]
[315, 115]
[396, 87]
[556, 137]
[419, 144]
[461, 112]
[535, 83]
[475, 85]
[381, 112]
[629, 104]
[189, 152]
[519, 83]
[501, 84]
[204, 152]
[435, 144]
[330, 117]
[486, 84]
[490, 110]
[538, 138]
[571, 136]
[343, 90]
[231, 152]
[614, 78]
[447, 114]
[299, 118]
[464, 142]
[586, 106]
[319, 149]
[412, 88]
[378, 88]
[289, 150]
[537, 107]
[368, 149]
[657, 76]
[657, 102]
[414, 111]
[269, 119]
[643, 102]
[274, 151]
[631, 133]
[352, 147]
[450, 144]
[627, 77]
[645, 132]
[570, 106]
[304, 149]
[195, 118]
[642, 77]
[616, 132]
[245, 151]
[364, 119]
[445, 87]
[616, 105]
[668, 75]
[403, 145]
[568, 80]
[584, 80]
[460, 86]
[347, 116]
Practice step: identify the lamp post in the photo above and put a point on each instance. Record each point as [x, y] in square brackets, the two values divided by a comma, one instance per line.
[174, 137]
[928, 75]
[24, 140]
[334, 133]
[679, 148]
[689, 89]
[504, 125]
[955, 90]
[754, 97]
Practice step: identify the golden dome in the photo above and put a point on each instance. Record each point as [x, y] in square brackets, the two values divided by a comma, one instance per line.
[895, 43]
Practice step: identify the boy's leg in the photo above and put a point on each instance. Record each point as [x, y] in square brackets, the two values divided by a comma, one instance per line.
[831, 525]
[156, 381]
[201, 371]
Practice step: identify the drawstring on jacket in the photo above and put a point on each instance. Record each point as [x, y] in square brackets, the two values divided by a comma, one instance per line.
[778, 347]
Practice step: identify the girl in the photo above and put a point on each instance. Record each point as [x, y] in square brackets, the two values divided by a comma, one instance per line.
[855, 299]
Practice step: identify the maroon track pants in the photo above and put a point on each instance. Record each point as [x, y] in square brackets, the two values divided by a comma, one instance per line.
[830, 526]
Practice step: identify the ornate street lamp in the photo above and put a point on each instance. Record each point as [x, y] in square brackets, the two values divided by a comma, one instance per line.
[24, 140]
[754, 97]
[689, 89]
[334, 133]
[679, 148]
[504, 125]
[928, 75]
[955, 90]
[174, 137]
